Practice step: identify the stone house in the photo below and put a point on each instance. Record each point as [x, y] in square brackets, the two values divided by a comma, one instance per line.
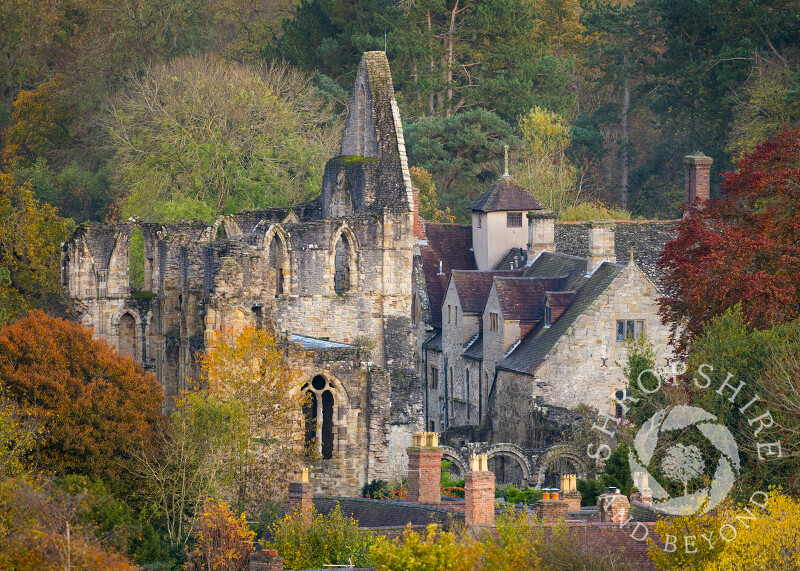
[509, 329]
[332, 278]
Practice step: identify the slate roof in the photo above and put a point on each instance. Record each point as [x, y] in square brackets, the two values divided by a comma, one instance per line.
[474, 349]
[532, 350]
[473, 287]
[434, 342]
[516, 258]
[549, 264]
[522, 299]
[382, 513]
[450, 244]
[507, 194]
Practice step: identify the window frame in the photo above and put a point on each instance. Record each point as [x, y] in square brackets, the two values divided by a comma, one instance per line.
[494, 321]
[633, 328]
[513, 219]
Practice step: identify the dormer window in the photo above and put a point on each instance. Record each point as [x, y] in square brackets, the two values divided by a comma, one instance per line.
[548, 314]
[514, 219]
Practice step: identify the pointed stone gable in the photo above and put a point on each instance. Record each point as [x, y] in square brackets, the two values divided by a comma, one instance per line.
[373, 152]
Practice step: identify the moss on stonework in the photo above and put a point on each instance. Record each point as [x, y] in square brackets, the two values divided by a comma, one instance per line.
[143, 295]
[347, 159]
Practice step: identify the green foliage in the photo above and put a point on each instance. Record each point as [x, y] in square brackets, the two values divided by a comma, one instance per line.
[459, 149]
[588, 211]
[514, 496]
[332, 539]
[435, 550]
[190, 140]
[590, 490]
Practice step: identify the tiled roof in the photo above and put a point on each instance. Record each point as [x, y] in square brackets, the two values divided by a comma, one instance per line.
[523, 298]
[450, 244]
[473, 287]
[560, 298]
[507, 194]
[532, 350]
[434, 342]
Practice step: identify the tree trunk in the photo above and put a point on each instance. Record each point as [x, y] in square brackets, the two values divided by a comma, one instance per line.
[623, 124]
[450, 39]
[431, 109]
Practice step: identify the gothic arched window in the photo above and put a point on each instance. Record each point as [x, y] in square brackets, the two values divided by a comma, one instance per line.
[277, 264]
[341, 263]
[318, 415]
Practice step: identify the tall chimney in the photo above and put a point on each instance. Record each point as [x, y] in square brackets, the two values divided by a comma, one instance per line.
[698, 180]
[541, 232]
[419, 222]
[601, 244]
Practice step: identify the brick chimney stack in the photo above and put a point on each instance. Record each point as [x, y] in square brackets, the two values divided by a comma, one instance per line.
[698, 180]
[479, 493]
[301, 495]
[424, 468]
[419, 222]
[613, 507]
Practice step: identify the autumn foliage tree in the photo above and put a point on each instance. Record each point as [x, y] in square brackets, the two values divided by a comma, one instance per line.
[743, 248]
[223, 540]
[93, 405]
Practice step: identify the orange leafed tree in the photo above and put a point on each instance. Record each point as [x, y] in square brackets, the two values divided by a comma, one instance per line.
[94, 406]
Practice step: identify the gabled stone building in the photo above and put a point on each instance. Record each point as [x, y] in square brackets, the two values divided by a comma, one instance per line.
[514, 328]
[331, 277]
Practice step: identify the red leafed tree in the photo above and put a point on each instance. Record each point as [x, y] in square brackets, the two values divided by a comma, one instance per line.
[94, 407]
[743, 248]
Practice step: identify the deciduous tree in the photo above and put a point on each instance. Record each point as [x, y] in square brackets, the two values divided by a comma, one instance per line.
[94, 406]
[743, 248]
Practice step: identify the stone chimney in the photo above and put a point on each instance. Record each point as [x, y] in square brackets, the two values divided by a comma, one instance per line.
[424, 468]
[698, 180]
[601, 244]
[613, 507]
[541, 232]
[479, 493]
[301, 496]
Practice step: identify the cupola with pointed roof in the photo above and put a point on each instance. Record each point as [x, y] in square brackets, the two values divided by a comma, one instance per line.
[499, 220]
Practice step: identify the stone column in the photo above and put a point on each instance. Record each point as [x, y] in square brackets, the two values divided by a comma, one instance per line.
[698, 180]
[613, 507]
[601, 244]
[267, 560]
[424, 468]
[479, 493]
[570, 493]
[301, 496]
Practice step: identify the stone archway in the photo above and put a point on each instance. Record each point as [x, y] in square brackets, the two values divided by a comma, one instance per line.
[519, 471]
[561, 459]
[452, 455]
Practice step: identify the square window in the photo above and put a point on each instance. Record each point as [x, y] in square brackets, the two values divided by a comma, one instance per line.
[514, 219]
[629, 328]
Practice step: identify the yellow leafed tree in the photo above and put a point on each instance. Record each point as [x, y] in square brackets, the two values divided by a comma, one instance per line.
[247, 370]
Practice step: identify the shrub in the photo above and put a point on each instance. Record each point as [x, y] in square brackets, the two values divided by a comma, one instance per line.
[223, 541]
[435, 550]
[586, 211]
[332, 539]
[515, 496]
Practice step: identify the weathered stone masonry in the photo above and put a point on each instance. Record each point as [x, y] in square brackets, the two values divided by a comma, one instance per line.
[336, 269]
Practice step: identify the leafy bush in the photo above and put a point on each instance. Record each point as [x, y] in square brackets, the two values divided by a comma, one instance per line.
[383, 490]
[586, 211]
[332, 539]
[450, 486]
[514, 496]
[223, 541]
[435, 550]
